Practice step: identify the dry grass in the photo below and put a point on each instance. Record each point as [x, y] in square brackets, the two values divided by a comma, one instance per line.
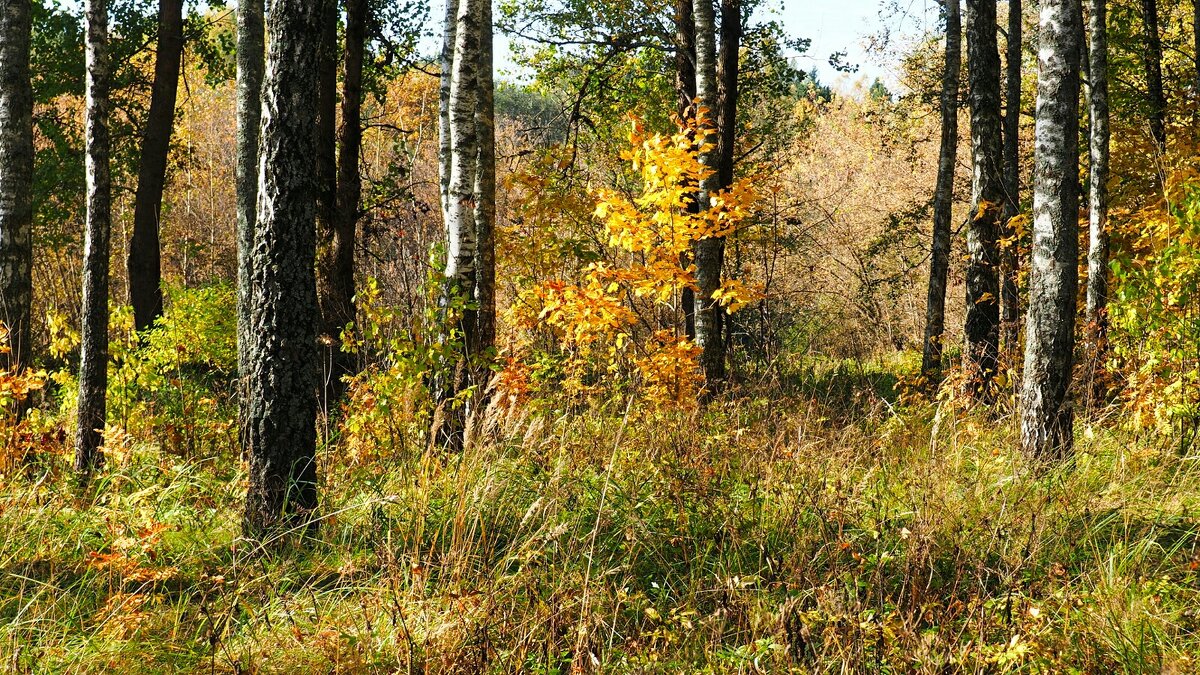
[817, 528]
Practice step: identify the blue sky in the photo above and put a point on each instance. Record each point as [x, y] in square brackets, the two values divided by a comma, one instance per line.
[833, 26]
[846, 25]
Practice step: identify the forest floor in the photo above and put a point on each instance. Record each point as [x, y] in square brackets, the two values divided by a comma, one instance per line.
[812, 523]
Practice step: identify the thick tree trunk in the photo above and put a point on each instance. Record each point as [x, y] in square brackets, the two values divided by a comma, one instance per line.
[1097, 289]
[250, 65]
[144, 263]
[324, 165]
[16, 180]
[485, 193]
[460, 273]
[281, 428]
[685, 90]
[1152, 56]
[708, 253]
[983, 282]
[943, 198]
[335, 255]
[1046, 415]
[1010, 301]
[93, 347]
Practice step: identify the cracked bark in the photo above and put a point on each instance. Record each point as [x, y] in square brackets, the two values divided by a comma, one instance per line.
[1046, 412]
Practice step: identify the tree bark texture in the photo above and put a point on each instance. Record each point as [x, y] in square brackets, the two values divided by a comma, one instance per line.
[460, 272]
[485, 190]
[93, 347]
[250, 65]
[1099, 141]
[1010, 301]
[708, 253]
[144, 262]
[943, 198]
[281, 426]
[449, 35]
[1046, 414]
[16, 179]
[983, 267]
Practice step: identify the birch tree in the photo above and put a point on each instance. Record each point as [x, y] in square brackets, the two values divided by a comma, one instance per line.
[144, 261]
[280, 436]
[943, 196]
[1046, 414]
[485, 191]
[93, 347]
[16, 179]
[1097, 288]
[250, 65]
[460, 175]
[987, 198]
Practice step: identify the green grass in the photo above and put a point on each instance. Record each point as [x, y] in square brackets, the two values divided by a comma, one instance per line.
[828, 530]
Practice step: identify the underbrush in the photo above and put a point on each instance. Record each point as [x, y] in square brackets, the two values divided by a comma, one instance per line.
[766, 534]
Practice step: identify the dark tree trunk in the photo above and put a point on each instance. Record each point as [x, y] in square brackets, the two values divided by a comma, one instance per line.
[1097, 289]
[983, 279]
[250, 66]
[1046, 415]
[727, 90]
[1196, 41]
[335, 257]
[943, 198]
[1010, 301]
[485, 195]
[16, 181]
[324, 165]
[1152, 56]
[93, 346]
[144, 264]
[708, 253]
[685, 90]
[281, 429]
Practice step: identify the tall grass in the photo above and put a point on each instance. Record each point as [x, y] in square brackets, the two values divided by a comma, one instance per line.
[826, 530]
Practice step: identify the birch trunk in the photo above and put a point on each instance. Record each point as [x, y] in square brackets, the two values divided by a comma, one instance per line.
[16, 179]
[1010, 301]
[1097, 289]
[943, 197]
[144, 262]
[460, 276]
[1046, 414]
[93, 346]
[983, 282]
[708, 253]
[445, 149]
[281, 427]
[485, 191]
[250, 66]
